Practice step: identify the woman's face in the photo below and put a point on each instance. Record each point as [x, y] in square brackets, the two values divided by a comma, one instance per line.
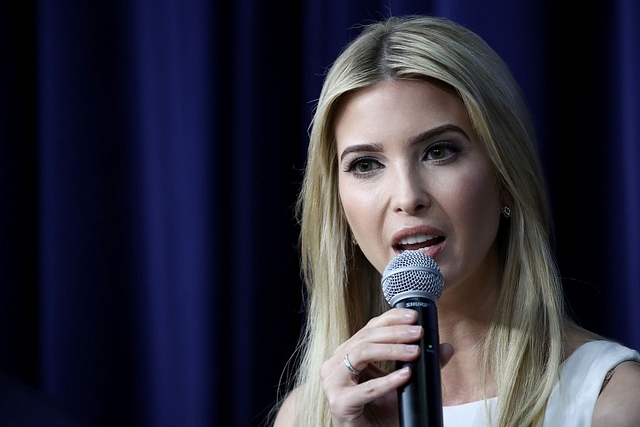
[413, 175]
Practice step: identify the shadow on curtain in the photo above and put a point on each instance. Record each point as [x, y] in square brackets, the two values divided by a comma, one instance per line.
[151, 153]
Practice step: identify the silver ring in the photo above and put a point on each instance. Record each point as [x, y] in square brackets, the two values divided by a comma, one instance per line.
[349, 366]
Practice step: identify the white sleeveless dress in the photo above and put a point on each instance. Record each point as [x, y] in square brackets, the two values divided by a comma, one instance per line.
[572, 399]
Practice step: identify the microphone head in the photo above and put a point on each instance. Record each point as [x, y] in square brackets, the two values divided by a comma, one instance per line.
[412, 272]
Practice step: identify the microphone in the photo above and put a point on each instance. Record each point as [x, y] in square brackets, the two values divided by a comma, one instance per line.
[413, 280]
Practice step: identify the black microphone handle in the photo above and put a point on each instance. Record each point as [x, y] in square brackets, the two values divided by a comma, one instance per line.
[420, 399]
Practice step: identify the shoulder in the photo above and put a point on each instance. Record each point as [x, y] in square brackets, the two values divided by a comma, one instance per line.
[617, 405]
[286, 414]
[601, 380]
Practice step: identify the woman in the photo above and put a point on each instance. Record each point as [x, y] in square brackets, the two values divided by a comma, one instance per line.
[421, 141]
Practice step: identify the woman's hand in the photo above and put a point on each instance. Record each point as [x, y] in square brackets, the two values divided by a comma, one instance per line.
[370, 398]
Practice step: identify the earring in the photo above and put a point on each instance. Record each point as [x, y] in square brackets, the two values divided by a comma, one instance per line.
[506, 211]
[354, 242]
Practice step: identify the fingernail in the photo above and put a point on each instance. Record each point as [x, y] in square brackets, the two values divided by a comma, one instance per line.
[409, 314]
[404, 372]
[414, 330]
[411, 348]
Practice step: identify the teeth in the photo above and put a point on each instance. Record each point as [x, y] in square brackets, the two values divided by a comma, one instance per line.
[415, 239]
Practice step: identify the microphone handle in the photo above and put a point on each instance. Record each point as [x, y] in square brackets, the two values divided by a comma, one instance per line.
[420, 399]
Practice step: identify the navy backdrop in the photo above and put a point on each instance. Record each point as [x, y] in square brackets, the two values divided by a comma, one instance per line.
[151, 152]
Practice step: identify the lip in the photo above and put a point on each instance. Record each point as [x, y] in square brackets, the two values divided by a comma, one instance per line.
[431, 251]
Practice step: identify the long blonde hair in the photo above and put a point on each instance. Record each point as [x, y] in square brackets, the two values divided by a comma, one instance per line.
[524, 346]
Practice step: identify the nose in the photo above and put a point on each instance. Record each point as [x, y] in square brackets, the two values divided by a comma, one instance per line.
[410, 193]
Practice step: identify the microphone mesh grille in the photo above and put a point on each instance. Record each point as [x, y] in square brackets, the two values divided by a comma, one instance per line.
[412, 271]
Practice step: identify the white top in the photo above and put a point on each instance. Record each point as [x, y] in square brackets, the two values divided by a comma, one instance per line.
[572, 399]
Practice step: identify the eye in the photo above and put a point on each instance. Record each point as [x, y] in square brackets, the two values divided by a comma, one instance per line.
[363, 166]
[441, 151]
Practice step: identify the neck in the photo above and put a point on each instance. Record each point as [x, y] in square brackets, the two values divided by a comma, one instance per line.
[464, 318]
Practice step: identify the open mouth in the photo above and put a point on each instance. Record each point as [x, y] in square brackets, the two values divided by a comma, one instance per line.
[416, 242]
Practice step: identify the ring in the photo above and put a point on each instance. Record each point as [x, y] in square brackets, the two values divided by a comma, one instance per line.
[349, 366]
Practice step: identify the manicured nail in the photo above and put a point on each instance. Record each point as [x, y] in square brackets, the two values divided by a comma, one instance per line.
[410, 314]
[411, 348]
[404, 372]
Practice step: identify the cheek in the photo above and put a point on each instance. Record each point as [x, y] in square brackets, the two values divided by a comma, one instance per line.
[359, 206]
[364, 211]
[477, 203]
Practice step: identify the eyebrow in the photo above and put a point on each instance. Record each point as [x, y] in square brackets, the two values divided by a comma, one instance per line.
[431, 133]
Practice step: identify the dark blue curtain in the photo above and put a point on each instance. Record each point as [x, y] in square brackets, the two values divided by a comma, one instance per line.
[151, 152]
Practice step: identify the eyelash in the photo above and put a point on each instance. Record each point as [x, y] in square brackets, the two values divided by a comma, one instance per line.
[450, 150]
[448, 146]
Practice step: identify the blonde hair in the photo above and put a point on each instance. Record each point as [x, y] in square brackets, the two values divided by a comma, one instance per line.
[524, 346]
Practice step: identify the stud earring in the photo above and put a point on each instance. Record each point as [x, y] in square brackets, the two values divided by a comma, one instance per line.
[352, 238]
[506, 211]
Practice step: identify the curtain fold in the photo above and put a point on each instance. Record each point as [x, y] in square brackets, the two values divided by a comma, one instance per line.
[150, 157]
[86, 311]
[171, 169]
[623, 170]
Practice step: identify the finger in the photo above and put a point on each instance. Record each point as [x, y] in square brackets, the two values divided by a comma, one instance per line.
[394, 316]
[376, 343]
[395, 334]
[348, 402]
[336, 369]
